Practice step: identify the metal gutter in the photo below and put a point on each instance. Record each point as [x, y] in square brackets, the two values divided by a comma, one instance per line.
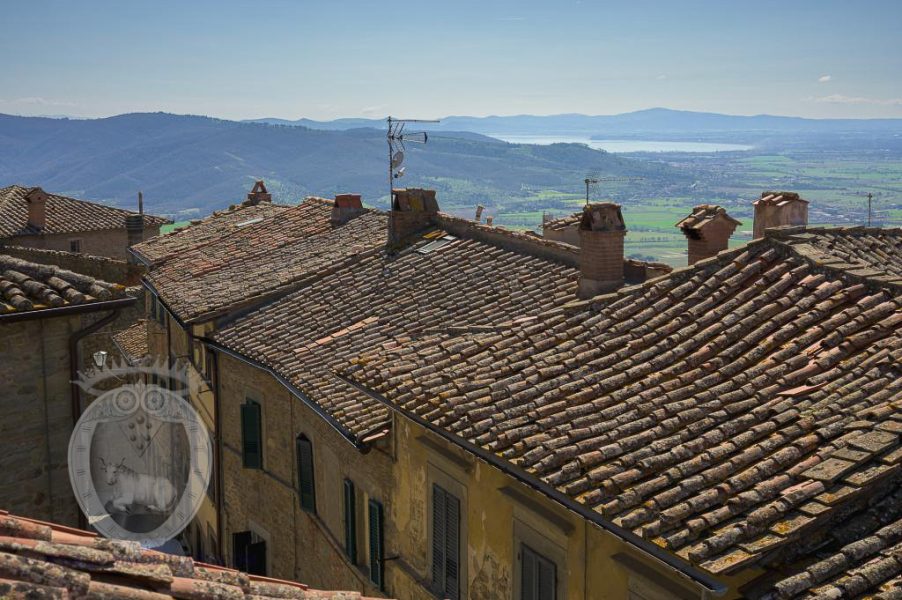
[347, 435]
[671, 560]
[65, 311]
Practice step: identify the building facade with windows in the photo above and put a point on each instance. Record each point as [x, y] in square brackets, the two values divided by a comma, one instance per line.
[33, 218]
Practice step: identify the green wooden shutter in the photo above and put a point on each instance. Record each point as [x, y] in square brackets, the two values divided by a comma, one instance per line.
[377, 543]
[251, 435]
[438, 539]
[452, 546]
[538, 579]
[306, 481]
[350, 521]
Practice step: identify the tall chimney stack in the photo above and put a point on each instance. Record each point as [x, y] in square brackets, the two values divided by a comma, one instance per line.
[346, 207]
[257, 195]
[708, 229]
[412, 209]
[141, 203]
[601, 234]
[775, 209]
[36, 198]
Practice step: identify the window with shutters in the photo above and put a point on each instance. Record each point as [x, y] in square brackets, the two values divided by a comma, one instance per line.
[306, 481]
[350, 521]
[538, 576]
[75, 246]
[377, 543]
[251, 435]
[445, 543]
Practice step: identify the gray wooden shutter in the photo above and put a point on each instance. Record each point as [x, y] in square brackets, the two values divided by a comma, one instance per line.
[251, 442]
[438, 539]
[452, 546]
[538, 580]
[546, 581]
[350, 521]
[377, 543]
[306, 481]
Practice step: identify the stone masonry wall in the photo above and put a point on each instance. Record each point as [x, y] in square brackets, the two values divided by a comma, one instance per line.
[98, 267]
[111, 243]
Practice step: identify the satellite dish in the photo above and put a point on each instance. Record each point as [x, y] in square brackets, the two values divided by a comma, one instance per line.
[400, 173]
[396, 159]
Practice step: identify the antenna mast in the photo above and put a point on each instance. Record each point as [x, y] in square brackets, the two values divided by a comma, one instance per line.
[593, 180]
[396, 138]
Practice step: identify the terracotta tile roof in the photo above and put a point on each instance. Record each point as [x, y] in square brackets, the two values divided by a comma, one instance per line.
[725, 412]
[563, 222]
[269, 256]
[872, 251]
[218, 225]
[64, 215]
[27, 286]
[380, 299]
[44, 560]
[703, 214]
[132, 342]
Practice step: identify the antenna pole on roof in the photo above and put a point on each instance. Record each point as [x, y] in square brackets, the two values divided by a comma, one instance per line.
[140, 203]
[870, 195]
[396, 137]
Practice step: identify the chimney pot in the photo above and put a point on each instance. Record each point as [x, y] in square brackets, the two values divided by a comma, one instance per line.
[601, 233]
[776, 209]
[257, 194]
[36, 198]
[708, 229]
[345, 208]
[479, 209]
[489, 220]
[412, 209]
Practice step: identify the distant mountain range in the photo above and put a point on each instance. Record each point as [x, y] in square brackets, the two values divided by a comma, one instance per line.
[190, 165]
[653, 123]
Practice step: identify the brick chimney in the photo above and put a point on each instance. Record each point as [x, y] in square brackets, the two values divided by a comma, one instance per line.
[412, 209]
[601, 233]
[257, 195]
[36, 198]
[708, 229]
[775, 209]
[346, 207]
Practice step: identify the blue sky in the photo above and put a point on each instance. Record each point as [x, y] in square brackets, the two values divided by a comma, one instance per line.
[291, 59]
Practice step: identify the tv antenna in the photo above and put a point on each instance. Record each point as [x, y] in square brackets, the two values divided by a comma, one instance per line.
[396, 137]
[870, 198]
[594, 180]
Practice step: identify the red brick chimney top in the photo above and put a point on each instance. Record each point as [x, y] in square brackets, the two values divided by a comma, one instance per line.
[258, 194]
[778, 198]
[36, 198]
[704, 216]
[348, 201]
[345, 208]
[602, 216]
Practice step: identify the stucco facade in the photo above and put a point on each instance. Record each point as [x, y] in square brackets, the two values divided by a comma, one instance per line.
[112, 243]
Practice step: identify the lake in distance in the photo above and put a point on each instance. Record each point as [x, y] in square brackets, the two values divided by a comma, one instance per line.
[623, 146]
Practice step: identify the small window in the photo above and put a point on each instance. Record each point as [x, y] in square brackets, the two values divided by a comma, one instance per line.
[539, 575]
[445, 544]
[350, 521]
[211, 486]
[249, 552]
[251, 435]
[208, 364]
[377, 543]
[75, 246]
[306, 481]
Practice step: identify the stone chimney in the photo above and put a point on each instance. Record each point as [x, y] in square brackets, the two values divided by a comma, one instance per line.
[412, 209]
[346, 207]
[134, 229]
[257, 195]
[601, 233]
[775, 209]
[479, 209]
[708, 229]
[36, 198]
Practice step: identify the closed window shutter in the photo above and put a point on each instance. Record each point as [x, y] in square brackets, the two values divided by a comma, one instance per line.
[350, 521]
[377, 543]
[252, 455]
[538, 576]
[438, 539]
[240, 543]
[452, 546]
[306, 482]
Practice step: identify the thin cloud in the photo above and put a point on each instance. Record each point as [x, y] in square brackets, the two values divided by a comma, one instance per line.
[824, 78]
[38, 101]
[840, 99]
[661, 77]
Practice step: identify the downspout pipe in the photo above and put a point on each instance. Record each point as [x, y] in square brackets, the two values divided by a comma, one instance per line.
[217, 424]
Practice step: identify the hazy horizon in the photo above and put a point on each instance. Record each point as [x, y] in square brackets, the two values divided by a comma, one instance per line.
[237, 59]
